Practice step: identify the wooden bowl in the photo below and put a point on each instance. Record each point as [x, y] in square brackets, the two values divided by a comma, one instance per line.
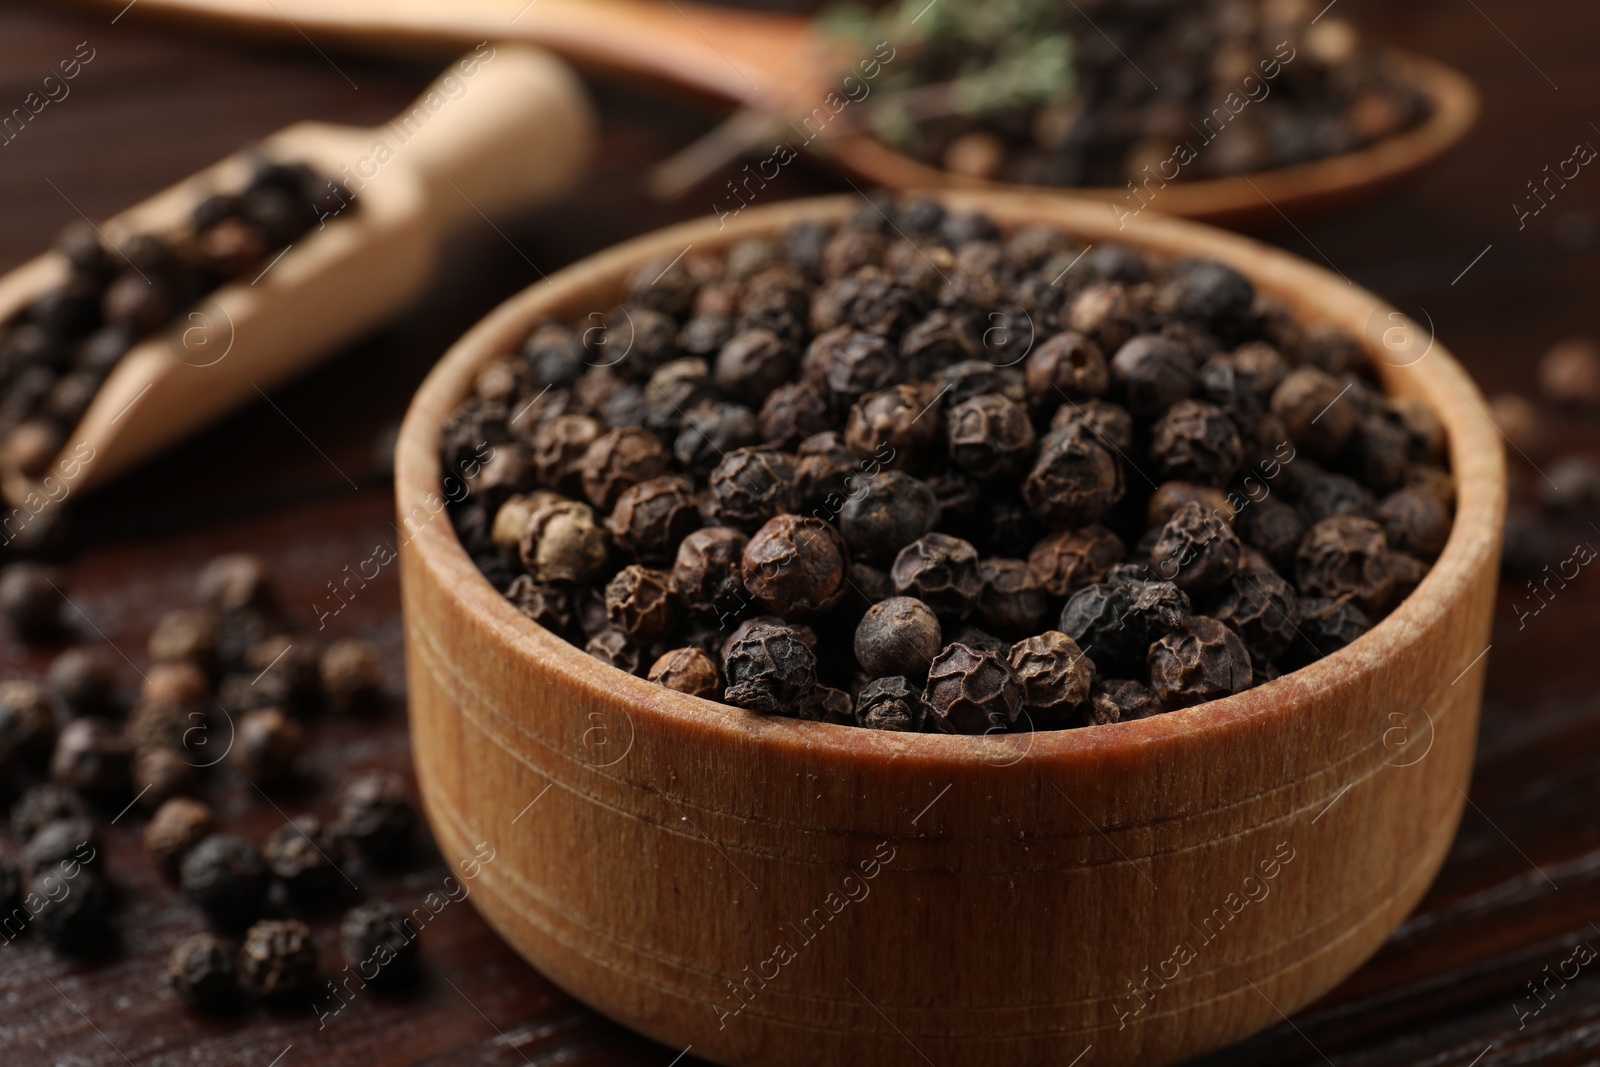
[1258, 201]
[778, 892]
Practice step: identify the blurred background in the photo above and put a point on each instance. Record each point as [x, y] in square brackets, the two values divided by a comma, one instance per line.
[302, 479]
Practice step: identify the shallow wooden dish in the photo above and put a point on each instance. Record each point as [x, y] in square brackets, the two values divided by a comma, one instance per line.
[669, 860]
[778, 63]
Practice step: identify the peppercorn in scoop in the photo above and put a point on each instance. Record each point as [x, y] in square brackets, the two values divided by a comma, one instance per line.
[917, 472]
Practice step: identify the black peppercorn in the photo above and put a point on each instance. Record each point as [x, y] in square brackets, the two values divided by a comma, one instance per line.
[176, 827]
[846, 363]
[707, 571]
[379, 942]
[898, 636]
[1209, 292]
[201, 971]
[1108, 423]
[234, 582]
[972, 692]
[300, 854]
[1197, 550]
[554, 354]
[754, 362]
[1275, 528]
[189, 635]
[891, 703]
[673, 389]
[887, 513]
[1416, 522]
[64, 840]
[641, 602]
[563, 542]
[1323, 496]
[792, 412]
[31, 599]
[225, 877]
[1327, 624]
[1263, 609]
[688, 670]
[1067, 366]
[618, 460]
[991, 437]
[769, 668]
[373, 812]
[161, 773]
[277, 958]
[1198, 660]
[1118, 700]
[1066, 561]
[942, 572]
[74, 902]
[712, 429]
[266, 744]
[1055, 675]
[1074, 482]
[1311, 404]
[1107, 313]
[1153, 373]
[1011, 601]
[652, 517]
[1344, 556]
[616, 649]
[83, 680]
[91, 757]
[40, 805]
[548, 605]
[1194, 441]
[1118, 619]
[27, 722]
[558, 449]
[896, 426]
[750, 486]
[796, 567]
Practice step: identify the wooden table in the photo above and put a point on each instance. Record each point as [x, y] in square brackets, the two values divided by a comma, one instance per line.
[300, 481]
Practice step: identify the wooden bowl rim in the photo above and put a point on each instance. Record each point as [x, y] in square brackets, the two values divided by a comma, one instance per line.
[1477, 464]
[1453, 101]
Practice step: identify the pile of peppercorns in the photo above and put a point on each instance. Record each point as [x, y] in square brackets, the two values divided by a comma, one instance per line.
[228, 681]
[1104, 93]
[913, 472]
[56, 352]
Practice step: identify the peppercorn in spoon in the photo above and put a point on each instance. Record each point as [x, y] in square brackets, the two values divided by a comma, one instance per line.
[318, 233]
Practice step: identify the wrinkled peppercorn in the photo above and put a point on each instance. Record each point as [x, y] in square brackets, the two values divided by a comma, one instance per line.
[712, 429]
[616, 649]
[642, 602]
[373, 812]
[379, 942]
[1194, 441]
[1199, 660]
[1119, 700]
[991, 437]
[618, 460]
[1264, 610]
[1310, 403]
[887, 513]
[1011, 600]
[1118, 619]
[792, 412]
[898, 425]
[300, 854]
[266, 745]
[1153, 373]
[1416, 522]
[1276, 529]
[1327, 624]
[1066, 561]
[548, 605]
[754, 362]
[796, 567]
[177, 826]
[563, 542]
[898, 636]
[278, 957]
[558, 449]
[1074, 482]
[891, 703]
[1323, 496]
[942, 572]
[750, 486]
[1345, 556]
[688, 670]
[201, 971]
[31, 599]
[1197, 550]
[707, 570]
[769, 668]
[846, 363]
[27, 722]
[652, 517]
[225, 877]
[971, 691]
[1055, 675]
[91, 757]
[1069, 366]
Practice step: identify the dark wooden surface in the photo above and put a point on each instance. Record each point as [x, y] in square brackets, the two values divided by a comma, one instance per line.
[1520, 890]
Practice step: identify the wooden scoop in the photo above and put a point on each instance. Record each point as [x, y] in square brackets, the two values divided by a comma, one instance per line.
[780, 65]
[506, 127]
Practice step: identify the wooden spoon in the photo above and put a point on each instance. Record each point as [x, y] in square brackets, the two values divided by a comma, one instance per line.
[506, 127]
[781, 65]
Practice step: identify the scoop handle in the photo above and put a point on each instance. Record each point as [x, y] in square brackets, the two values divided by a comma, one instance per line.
[504, 128]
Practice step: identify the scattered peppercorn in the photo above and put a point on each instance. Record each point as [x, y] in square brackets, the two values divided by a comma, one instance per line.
[27, 722]
[225, 877]
[277, 958]
[379, 940]
[176, 827]
[201, 969]
[266, 744]
[374, 813]
[91, 757]
[31, 599]
[352, 677]
[300, 854]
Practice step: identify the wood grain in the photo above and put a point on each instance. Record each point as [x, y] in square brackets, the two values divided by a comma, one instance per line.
[158, 105]
[1058, 869]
